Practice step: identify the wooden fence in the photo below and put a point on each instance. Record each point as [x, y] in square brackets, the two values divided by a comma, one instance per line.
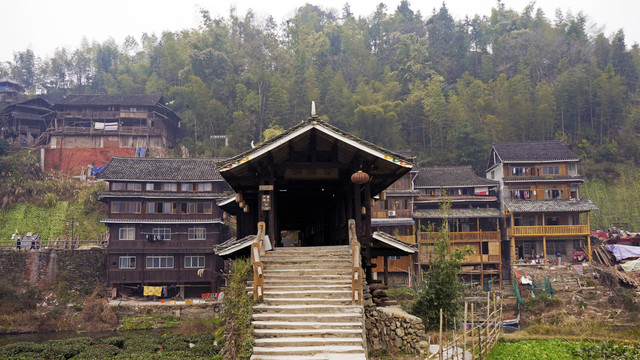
[59, 243]
[474, 337]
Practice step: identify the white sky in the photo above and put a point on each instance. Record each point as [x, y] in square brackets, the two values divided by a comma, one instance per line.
[44, 25]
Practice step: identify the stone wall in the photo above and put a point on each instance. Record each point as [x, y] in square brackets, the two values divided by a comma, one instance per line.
[392, 329]
[78, 269]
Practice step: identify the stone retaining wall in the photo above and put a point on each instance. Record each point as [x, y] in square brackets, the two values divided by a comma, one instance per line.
[78, 269]
[392, 329]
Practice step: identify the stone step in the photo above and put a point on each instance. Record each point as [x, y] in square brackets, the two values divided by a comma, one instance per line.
[307, 341]
[310, 357]
[309, 273]
[310, 309]
[271, 293]
[307, 325]
[348, 317]
[309, 301]
[307, 287]
[311, 267]
[330, 351]
[324, 332]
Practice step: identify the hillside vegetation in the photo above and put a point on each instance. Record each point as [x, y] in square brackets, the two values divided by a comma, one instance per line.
[50, 205]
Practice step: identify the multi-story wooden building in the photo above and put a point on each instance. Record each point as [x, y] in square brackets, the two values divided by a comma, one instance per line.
[392, 214]
[11, 92]
[539, 186]
[471, 217]
[163, 223]
[28, 122]
[90, 129]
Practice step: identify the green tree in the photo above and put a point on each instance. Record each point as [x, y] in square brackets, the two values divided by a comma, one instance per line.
[441, 286]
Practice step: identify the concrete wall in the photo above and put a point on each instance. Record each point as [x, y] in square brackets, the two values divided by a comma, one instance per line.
[79, 269]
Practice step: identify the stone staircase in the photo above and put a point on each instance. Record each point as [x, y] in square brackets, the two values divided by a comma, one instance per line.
[307, 311]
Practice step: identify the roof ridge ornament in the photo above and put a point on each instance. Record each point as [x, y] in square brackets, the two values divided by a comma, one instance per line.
[313, 109]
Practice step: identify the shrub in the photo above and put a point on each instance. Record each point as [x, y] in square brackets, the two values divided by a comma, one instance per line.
[98, 352]
[142, 344]
[176, 342]
[117, 341]
[18, 348]
[238, 310]
[65, 349]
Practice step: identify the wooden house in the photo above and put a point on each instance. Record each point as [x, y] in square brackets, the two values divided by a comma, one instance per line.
[546, 218]
[392, 213]
[28, 122]
[163, 223]
[11, 91]
[471, 217]
[93, 128]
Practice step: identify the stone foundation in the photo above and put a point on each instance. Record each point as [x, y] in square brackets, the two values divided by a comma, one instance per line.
[392, 329]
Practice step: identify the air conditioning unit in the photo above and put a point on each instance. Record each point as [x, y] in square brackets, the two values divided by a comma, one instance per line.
[391, 213]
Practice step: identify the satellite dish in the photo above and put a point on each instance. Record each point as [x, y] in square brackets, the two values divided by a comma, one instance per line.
[252, 146]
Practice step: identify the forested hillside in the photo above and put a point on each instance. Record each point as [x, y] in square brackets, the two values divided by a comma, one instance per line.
[446, 88]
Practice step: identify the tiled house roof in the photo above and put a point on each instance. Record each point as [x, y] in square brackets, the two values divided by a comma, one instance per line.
[115, 99]
[450, 176]
[535, 151]
[152, 169]
[524, 206]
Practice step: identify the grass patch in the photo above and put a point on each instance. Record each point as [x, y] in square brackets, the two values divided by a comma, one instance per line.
[558, 349]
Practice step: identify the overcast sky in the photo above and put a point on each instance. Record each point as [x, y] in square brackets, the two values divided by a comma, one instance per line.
[44, 25]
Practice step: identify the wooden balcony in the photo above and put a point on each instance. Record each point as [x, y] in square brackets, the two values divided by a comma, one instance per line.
[549, 230]
[470, 236]
[383, 214]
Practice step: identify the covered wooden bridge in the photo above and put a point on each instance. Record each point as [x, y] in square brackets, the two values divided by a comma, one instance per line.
[305, 184]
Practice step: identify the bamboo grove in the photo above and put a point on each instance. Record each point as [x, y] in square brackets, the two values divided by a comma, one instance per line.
[446, 88]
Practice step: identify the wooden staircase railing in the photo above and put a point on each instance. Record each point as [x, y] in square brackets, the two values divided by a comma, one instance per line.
[258, 250]
[356, 263]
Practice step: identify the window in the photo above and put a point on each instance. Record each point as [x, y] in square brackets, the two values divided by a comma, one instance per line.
[572, 168]
[493, 174]
[393, 257]
[556, 247]
[125, 207]
[194, 261]
[169, 187]
[134, 186]
[204, 187]
[521, 171]
[127, 233]
[159, 262]
[149, 187]
[127, 262]
[162, 208]
[200, 208]
[521, 194]
[151, 207]
[552, 193]
[186, 187]
[198, 233]
[550, 170]
[118, 186]
[485, 248]
[163, 233]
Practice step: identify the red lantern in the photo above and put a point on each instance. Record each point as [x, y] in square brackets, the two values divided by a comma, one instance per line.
[360, 177]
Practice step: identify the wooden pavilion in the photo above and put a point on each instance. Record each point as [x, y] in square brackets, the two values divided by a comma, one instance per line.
[309, 181]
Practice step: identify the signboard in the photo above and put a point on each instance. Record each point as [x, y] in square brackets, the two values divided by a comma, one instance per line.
[265, 201]
[266, 188]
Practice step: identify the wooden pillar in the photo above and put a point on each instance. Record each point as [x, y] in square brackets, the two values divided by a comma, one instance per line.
[357, 210]
[386, 270]
[367, 228]
[589, 237]
[513, 243]
[544, 238]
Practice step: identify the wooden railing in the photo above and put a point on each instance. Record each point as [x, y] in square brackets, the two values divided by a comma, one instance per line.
[258, 250]
[469, 236]
[356, 264]
[384, 214]
[479, 332]
[555, 230]
[60, 243]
